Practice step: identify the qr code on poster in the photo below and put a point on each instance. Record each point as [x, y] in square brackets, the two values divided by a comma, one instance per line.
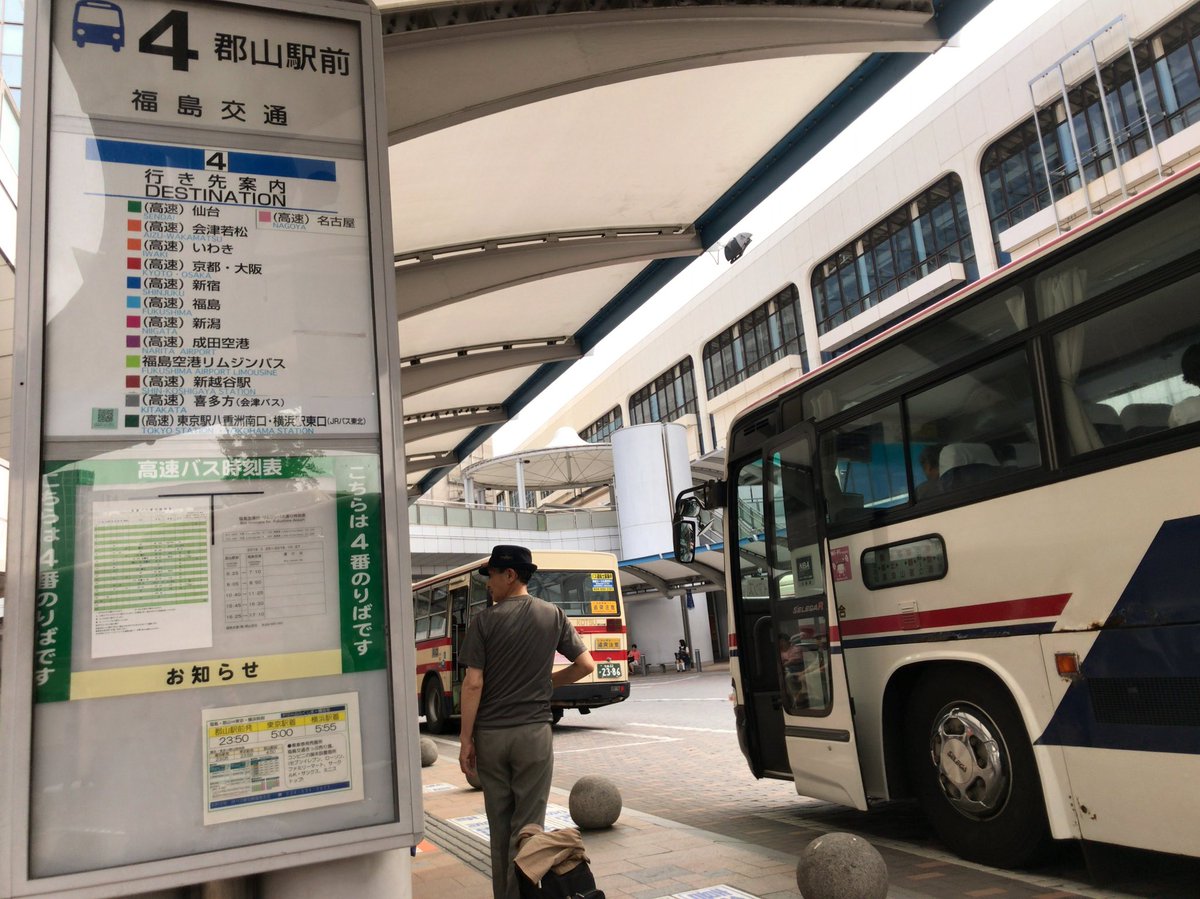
[104, 418]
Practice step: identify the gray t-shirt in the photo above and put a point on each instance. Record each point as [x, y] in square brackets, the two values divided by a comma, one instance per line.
[514, 642]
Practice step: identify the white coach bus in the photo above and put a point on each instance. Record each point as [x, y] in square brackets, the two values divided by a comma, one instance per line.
[962, 559]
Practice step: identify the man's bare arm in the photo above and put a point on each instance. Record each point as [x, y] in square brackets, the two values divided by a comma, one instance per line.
[469, 696]
[583, 665]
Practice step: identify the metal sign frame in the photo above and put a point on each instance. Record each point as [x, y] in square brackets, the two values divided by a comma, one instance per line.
[16, 704]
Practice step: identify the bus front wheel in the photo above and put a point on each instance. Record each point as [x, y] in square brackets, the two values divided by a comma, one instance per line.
[437, 710]
[557, 714]
[972, 767]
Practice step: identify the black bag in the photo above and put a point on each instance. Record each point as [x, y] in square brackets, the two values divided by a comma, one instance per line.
[578, 883]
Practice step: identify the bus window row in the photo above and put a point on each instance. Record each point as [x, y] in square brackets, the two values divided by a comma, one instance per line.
[1129, 371]
[930, 229]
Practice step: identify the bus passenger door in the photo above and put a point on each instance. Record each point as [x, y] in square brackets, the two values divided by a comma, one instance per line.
[818, 722]
[760, 725]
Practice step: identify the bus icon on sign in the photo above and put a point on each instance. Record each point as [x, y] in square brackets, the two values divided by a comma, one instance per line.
[98, 22]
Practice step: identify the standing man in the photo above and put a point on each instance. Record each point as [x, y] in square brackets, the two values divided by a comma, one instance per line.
[509, 653]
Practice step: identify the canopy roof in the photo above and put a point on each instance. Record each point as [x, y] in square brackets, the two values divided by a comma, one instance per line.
[555, 162]
[567, 462]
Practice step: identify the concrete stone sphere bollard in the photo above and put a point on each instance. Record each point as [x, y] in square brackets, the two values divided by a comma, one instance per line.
[595, 802]
[429, 752]
[841, 866]
[474, 781]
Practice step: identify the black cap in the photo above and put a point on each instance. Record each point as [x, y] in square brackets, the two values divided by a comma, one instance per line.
[504, 556]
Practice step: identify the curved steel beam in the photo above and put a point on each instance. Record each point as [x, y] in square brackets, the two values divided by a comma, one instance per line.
[433, 424]
[460, 62]
[427, 462]
[419, 376]
[662, 586]
[715, 575]
[427, 279]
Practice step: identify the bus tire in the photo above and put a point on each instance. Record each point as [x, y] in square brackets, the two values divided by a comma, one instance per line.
[435, 706]
[556, 714]
[972, 768]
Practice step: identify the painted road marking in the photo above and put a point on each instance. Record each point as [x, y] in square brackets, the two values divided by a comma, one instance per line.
[702, 730]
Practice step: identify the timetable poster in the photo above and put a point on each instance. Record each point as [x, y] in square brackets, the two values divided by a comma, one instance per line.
[175, 574]
[277, 757]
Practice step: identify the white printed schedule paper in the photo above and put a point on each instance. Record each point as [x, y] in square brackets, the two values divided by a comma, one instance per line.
[283, 756]
[151, 578]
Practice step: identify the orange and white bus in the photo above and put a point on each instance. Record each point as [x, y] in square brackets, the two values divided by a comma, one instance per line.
[585, 585]
[961, 559]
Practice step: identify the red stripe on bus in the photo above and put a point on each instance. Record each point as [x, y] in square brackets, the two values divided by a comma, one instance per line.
[983, 613]
[597, 629]
[609, 655]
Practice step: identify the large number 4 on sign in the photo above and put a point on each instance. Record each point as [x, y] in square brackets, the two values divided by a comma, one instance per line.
[176, 22]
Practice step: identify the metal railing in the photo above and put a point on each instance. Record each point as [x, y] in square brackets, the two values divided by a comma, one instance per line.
[461, 516]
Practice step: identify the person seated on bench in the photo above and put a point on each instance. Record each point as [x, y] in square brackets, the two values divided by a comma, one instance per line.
[637, 665]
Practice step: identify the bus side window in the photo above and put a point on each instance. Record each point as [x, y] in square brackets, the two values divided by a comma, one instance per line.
[438, 604]
[421, 613]
[863, 467]
[477, 596]
[1132, 371]
[981, 425]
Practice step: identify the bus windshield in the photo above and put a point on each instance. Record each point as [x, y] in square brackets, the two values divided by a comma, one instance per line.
[578, 593]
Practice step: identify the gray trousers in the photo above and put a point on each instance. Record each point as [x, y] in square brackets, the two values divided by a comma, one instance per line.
[515, 766]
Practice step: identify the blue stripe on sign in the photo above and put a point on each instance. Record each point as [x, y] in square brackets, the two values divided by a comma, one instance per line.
[282, 166]
[279, 794]
[131, 153]
[144, 154]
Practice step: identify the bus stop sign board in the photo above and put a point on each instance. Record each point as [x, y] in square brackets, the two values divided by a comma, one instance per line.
[206, 653]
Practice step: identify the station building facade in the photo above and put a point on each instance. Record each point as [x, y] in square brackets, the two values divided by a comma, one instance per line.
[1092, 102]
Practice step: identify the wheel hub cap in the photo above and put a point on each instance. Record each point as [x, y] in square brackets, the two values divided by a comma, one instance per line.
[972, 770]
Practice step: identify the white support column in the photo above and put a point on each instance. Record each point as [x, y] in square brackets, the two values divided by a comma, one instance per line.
[521, 501]
[468, 492]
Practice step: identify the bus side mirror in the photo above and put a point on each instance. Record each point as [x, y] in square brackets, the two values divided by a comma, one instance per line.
[685, 539]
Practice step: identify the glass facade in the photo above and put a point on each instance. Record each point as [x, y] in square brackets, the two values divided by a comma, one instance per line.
[667, 397]
[926, 233]
[766, 335]
[603, 427]
[1013, 170]
[12, 36]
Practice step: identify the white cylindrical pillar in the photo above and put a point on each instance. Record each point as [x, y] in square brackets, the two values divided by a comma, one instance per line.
[650, 465]
[521, 500]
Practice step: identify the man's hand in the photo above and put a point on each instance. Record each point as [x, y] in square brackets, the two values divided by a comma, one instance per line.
[466, 757]
[468, 700]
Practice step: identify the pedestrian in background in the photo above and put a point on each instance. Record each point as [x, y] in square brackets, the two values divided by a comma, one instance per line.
[635, 660]
[683, 657]
[506, 739]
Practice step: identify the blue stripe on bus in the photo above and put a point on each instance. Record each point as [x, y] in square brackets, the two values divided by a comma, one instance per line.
[1143, 678]
[192, 158]
[969, 633]
[1146, 653]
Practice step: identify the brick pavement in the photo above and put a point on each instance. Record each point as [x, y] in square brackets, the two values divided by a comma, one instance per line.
[646, 856]
[694, 818]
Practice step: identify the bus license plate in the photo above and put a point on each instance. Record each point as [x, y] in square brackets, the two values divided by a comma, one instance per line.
[608, 669]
